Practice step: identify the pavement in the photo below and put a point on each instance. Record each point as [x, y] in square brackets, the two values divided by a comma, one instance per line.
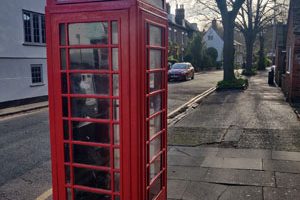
[23, 108]
[237, 145]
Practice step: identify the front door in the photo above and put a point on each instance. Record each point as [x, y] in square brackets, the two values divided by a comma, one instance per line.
[88, 104]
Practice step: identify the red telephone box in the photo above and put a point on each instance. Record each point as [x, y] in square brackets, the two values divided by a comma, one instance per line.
[107, 68]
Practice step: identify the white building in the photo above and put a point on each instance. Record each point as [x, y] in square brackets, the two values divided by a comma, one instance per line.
[213, 38]
[23, 69]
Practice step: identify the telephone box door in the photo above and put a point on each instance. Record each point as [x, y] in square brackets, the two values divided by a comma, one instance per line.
[89, 61]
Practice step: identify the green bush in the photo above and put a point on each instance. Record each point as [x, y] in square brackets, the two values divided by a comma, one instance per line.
[239, 83]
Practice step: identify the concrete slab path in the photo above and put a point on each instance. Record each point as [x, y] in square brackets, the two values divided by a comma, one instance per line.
[237, 145]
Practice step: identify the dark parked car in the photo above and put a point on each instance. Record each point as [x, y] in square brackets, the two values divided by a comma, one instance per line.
[181, 71]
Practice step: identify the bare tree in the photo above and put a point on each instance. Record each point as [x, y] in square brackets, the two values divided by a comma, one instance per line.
[253, 17]
[228, 10]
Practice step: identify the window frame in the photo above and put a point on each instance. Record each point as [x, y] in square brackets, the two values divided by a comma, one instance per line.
[41, 83]
[41, 32]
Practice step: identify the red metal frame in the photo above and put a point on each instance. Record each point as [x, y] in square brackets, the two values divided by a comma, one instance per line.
[134, 96]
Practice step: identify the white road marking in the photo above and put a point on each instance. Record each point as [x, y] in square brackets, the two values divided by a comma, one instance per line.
[45, 195]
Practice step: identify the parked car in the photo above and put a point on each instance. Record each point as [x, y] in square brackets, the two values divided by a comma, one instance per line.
[181, 71]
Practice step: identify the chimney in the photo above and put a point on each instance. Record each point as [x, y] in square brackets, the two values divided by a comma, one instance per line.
[179, 14]
[214, 24]
[168, 8]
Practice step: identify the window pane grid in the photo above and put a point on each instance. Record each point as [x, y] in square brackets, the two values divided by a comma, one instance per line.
[155, 98]
[34, 27]
[85, 79]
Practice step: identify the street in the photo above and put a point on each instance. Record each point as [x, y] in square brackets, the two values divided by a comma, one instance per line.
[25, 171]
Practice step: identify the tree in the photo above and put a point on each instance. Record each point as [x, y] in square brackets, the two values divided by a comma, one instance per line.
[253, 17]
[213, 54]
[196, 51]
[228, 10]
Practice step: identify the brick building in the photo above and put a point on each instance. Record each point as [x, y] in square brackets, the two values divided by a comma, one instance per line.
[180, 32]
[280, 52]
[291, 79]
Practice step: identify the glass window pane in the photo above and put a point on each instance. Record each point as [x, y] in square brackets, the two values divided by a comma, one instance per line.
[91, 132]
[83, 195]
[64, 84]
[155, 147]
[89, 84]
[65, 109]
[67, 174]
[155, 188]
[89, 59]
[67, 152]
[157, 3]
[117, 182]
[63, 59]
[155, 59]
[155, 168]
[155, 81]
[91, 178]
[117, 158]
[90, 108]
[155, 35]
[66, 129]
[69, 194]
[155, 103]
[115, 32]
[155, 126]
[116, 85]
[116, 109]
[62, 34]
[115, 59]
[116, 134]
[88, 33]
[98, 156]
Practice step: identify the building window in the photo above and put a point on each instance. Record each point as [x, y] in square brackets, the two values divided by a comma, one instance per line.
[34, 27]
[210, 37]
[36, 74]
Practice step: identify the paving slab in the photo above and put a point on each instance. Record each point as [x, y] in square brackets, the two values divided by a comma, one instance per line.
[286, 155]
[287, 180]
[176, 188]
[185, 160]
[240, 177]
[281, 194]
[244, 153]
[186, 173]
[233, 163]
[281, 166]
[194, 136]
[200, 190]
[233, 134]
[242, 193]
[198, 151]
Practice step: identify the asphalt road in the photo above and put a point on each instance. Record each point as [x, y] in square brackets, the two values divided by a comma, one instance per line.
[25, 171]
[182, 91]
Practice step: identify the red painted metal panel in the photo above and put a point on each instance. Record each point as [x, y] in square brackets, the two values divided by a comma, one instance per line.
[129, 157]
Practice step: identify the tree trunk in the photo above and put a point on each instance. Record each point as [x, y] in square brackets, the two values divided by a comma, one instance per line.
[249, 53]
[261, 63]
[228, 51]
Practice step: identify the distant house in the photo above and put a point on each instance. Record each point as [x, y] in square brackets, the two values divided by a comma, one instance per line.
[180, 32]
[213, 38]
[23, 69]
[291, 79]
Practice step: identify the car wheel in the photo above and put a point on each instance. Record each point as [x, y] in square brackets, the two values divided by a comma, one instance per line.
[186, 77]
[193, 76]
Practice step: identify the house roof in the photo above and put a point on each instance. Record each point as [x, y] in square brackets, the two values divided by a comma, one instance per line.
[186, 24]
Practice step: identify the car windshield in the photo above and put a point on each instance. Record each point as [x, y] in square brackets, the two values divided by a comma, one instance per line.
[179, 66]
